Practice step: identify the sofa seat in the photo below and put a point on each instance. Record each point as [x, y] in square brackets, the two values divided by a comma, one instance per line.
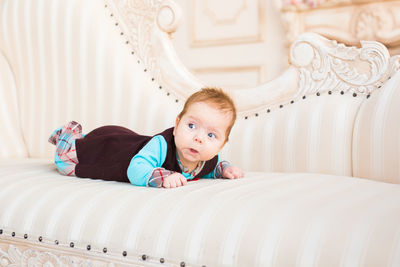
[264, 219]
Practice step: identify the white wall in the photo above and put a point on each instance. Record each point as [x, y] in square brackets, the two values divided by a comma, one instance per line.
[232, 43]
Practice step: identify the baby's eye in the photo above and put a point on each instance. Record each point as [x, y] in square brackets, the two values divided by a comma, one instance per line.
[211, 135]
[191, 125]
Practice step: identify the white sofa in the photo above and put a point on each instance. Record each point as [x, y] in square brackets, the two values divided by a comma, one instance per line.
[320, 145]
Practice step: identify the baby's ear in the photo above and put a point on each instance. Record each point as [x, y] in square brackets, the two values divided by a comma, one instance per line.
[176, 124]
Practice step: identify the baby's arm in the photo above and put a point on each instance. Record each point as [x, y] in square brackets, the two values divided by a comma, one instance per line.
[225, 170]
[145, 167]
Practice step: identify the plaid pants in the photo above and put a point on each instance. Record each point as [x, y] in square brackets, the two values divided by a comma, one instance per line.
[64, 138]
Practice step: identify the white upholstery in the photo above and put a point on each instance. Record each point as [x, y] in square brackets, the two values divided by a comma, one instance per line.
[13, 143]
[376, 150]
[305, 136]
[72, 63]
[266, 219]
[306, 141]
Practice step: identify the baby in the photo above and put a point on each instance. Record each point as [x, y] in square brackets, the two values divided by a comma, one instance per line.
[169, 159]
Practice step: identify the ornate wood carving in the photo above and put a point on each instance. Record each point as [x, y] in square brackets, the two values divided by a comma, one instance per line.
[326, 65]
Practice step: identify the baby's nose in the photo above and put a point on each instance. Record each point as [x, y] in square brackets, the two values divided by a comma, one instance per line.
[198, 139]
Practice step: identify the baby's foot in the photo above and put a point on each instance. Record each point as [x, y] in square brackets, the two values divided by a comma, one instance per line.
[55, 136]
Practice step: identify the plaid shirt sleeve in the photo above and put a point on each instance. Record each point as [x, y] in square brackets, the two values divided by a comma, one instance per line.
[157, 177]
[219, 169]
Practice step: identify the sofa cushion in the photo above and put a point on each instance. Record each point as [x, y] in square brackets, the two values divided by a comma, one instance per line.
[263, 219]
[376, 144]
[12, 144]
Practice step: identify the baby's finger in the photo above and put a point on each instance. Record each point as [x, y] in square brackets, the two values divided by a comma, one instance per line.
[173, 183]
[183, 180]
[238, 173]
[229, 174]
[166, 184]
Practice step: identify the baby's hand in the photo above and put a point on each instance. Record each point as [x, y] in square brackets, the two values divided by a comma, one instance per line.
[174, 180]
[232, 172]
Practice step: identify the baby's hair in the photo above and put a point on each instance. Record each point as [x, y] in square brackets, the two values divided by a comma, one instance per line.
[213, 96]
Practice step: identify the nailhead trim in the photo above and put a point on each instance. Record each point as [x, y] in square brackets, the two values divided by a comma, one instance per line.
[132, 52]
[88, 247]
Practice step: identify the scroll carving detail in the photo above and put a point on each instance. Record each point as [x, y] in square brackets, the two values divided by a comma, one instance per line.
[326, 65]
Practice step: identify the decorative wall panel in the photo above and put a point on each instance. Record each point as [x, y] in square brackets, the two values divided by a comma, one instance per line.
[232, 77]
[218, 22]
[347, 22]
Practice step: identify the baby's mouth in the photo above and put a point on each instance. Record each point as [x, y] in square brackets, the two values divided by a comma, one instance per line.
[193, 151]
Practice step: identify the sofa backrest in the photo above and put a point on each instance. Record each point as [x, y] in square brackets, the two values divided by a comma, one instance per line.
[376, 144]
[13, 144]
[73, 61]
[312, 128]
[303, 136]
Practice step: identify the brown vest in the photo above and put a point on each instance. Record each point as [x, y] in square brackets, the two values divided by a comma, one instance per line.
[106, 152]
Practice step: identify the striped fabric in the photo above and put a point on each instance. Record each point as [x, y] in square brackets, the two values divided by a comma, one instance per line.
[311, 135]
[12, 141]
[376, 149]
[264, 219]
[71, 54]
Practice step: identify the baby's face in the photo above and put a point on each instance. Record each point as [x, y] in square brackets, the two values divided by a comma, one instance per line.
[201, 132]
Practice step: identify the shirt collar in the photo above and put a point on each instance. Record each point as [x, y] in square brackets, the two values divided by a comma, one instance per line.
[193, 173]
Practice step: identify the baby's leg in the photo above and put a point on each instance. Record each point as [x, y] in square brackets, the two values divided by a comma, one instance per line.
[64, 139]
